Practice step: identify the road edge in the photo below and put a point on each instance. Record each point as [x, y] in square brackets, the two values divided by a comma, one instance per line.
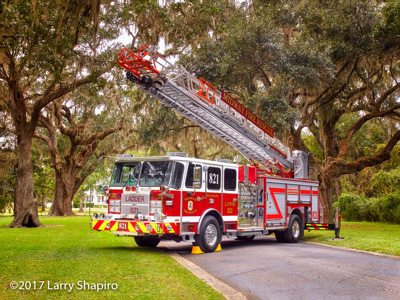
[227, 291]
[355, 250]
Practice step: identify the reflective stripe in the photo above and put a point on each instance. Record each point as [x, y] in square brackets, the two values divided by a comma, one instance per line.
[317, 227]
[191, 219]
[138, 227]
[96, 224]
[230, 218]
[115, 226]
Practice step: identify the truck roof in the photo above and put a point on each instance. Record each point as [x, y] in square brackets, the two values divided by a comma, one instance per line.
[176, 157]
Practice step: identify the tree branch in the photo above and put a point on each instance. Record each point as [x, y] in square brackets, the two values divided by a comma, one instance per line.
[373, 160]
[61, 91]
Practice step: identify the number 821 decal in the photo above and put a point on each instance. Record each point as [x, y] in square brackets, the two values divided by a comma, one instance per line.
[213, 178]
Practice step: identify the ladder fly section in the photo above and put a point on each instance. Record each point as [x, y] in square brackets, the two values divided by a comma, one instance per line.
[201, 103]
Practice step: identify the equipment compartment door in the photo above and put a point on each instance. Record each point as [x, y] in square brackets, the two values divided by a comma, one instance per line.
[275, 204]
[315, 210]
[247, 205]
[260, 202]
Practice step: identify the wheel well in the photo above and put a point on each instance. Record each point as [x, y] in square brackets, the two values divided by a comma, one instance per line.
[297, 212]
[216, 215]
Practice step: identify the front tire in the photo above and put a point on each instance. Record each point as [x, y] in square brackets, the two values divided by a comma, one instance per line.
[147, 241]
[210, 235]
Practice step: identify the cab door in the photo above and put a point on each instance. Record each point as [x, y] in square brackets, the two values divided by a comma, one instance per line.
[192, 196]
[230, 194]
[213, 198]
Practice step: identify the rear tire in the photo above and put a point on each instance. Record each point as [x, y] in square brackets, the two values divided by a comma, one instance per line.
[147, 241]
[210, 235]
[279, 236]
[294, 230]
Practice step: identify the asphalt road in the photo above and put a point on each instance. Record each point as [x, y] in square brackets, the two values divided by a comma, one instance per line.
[266, 269]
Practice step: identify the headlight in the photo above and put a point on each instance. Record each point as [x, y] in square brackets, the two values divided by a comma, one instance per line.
[157, 216]
[102, 216]
[115, 209]
[95, 216]
[156, 203]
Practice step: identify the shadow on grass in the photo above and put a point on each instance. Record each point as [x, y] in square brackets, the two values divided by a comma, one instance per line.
[310, 238]
[127, 249]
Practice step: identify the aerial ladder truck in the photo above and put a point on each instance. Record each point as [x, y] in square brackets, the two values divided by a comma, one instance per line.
[198, 201]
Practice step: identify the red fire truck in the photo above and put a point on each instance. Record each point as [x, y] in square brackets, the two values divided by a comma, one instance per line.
[198, 201]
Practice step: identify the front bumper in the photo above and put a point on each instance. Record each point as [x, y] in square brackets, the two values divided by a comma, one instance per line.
[134, 227]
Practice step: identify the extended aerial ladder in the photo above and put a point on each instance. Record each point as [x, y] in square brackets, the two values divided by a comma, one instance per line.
[214, 110]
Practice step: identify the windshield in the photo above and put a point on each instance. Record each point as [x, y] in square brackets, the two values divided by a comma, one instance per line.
[120, 175]
[153, 173]
[158, 173]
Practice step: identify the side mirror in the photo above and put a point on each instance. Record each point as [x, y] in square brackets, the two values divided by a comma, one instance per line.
[130, 180]
[197, 177]
[103, 190]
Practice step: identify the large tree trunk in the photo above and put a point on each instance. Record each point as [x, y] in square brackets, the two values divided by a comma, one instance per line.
[61, 206]
[80, 204]
[43, 200]
[327, 189]
[67, 185]
[25, 204]
[68, 198]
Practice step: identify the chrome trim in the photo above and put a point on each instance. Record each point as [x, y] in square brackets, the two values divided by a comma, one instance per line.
[204, 214]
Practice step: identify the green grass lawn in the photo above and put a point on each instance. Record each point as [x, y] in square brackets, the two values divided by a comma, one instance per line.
[367, 236]
[72, 253]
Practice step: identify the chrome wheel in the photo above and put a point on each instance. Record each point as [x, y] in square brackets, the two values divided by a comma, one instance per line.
[211, 234]
[295, 229]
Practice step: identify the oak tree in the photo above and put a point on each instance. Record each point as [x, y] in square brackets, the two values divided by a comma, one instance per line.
[48, 49]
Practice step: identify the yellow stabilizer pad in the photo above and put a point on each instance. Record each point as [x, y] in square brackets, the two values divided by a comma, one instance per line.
[218, 248]
[196, 250]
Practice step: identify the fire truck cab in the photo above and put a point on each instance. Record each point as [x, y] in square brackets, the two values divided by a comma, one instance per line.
[193, 200]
